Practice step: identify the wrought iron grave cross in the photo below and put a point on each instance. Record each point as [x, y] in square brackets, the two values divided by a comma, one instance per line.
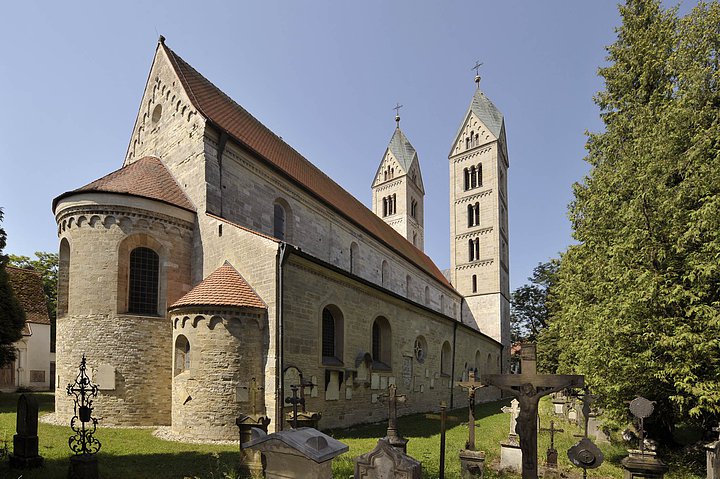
[528, 387]
[294, 400]
[471, 385]
[84, 391]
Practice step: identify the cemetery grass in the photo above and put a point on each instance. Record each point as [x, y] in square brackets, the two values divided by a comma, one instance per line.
[137, 454]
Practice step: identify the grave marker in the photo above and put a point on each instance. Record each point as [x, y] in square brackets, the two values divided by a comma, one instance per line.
[25, 442]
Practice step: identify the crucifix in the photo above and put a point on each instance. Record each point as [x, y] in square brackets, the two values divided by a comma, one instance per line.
[397, 113]
[528, 387]
[254, 390]
[471, 385]
[393, 398]
[552, 455]
[295, 400]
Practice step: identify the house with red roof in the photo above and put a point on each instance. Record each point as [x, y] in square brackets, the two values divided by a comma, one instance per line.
[34, 365]
[217, 267]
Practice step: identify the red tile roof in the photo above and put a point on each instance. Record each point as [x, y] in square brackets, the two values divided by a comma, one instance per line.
[224, 113]
[224, 287]
[28, 288]
[147, 178]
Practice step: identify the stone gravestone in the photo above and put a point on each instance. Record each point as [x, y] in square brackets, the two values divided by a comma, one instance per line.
[386, 462]
[250, 461]
[25, 442]
[528, 387]
[297, 453]
[510, 453]
[712, 453]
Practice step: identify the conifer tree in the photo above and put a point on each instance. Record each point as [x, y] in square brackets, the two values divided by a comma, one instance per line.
[638, 298]
[12, 317]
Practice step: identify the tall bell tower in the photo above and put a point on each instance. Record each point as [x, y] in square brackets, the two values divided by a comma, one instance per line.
[479, 265]
[398, 194]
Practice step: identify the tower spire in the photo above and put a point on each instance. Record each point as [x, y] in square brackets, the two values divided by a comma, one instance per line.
[397, 114]
[477, 73]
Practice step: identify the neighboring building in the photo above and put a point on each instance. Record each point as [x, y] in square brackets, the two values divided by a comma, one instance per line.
[218, 258]
[34, 366]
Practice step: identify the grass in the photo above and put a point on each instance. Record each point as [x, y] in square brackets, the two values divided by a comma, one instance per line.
[137, 454]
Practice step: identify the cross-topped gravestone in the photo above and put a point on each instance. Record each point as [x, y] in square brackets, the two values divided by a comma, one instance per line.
[393, 398]
[552, 455]
[528, 387]
[514, 410]
[295, 401]
[471, 385]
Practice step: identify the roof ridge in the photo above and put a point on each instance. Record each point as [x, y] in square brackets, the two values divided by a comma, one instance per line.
[29, 270]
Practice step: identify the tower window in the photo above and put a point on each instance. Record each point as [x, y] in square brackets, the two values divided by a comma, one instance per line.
[473, 177]
[413, 208]
[385, 207]
[473, 214]
[478, 173]
[474, 283]
[466, 179]
[474, 249]
[144, 276]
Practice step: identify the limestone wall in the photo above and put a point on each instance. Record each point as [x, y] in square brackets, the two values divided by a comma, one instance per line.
[100, 230]
[249, 191]
[213, 388]
[351, 395]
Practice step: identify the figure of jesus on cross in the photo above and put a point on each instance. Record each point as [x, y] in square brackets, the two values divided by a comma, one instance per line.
[528, 387]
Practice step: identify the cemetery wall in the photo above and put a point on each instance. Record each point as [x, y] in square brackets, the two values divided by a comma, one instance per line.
[97, 232]
[346, 393]
[211, 383]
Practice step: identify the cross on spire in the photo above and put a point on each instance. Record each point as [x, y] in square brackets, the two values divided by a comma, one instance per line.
[397, 113]
[477, 66]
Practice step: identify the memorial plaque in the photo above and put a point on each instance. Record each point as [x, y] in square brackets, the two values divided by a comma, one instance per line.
[242, 394]
[105, 377]
[407, 371]
[375, 381]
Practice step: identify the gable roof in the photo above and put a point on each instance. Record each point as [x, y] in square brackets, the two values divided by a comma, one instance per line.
[224, 113]
[146, 178]
[223, 287]
[27, 285]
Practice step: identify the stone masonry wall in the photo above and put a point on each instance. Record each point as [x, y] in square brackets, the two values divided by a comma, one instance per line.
[225, 354]
[310, 287]
[137, 348]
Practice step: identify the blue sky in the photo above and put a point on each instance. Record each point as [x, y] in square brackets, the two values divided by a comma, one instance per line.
[325, 76]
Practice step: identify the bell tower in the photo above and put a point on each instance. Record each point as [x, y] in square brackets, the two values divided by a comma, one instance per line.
[397, 190]
[479, 265]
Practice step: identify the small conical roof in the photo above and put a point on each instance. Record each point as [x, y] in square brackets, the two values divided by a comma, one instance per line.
[223, 287]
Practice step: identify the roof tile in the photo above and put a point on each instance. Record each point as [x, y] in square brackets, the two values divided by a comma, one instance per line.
[223, 287]
[28, 288]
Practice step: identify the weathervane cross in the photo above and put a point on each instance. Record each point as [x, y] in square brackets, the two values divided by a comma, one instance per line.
[397, 112]
[477, 67]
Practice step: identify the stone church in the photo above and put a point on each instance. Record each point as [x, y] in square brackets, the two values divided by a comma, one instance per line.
[218, 266]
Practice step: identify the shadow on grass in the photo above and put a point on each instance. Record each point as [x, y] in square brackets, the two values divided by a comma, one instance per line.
[420, 425]
[138, 466]
[45, 400]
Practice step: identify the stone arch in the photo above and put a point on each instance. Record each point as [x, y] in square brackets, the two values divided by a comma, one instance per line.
[125, 247]
[182, 360]
[446, 359]
[196, 320]
[214, 321]
[381, 340]
[332, 335]
[63, 288]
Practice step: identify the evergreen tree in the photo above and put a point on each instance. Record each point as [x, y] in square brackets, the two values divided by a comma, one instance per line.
[638, 299]
[12, 317]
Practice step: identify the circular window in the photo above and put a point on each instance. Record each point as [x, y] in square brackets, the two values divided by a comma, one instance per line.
[420, 349]
[157, 113]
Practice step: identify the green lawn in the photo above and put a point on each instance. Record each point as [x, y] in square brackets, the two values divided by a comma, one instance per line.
[137, 454]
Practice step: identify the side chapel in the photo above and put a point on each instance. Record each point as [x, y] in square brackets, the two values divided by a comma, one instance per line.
[218, 265]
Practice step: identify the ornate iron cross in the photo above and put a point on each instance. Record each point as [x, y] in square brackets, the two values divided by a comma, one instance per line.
[295, 400]
[83, 441]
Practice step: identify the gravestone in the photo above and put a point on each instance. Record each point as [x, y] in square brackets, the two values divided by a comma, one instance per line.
[528, 387]
[712, 454]
[296, 453]
[302, 418]
[25, 442]
[558, 402]
[472, 462]
[510, 453]
[642, 463]
[251, 461]
[386, 462]
[393, 436]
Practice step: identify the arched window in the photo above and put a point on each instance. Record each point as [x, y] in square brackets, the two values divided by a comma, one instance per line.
[471, 250]
[63, 290]
[467, 142]
[384, 273]
[414, 239]
[442, 303]
[408, 285]
[489, 364]
[354, 256]
[478, 361]
[279, 222]
[385, 176]
[478, 172]
[466, 179]
[474, 283]
[470, 215]
[446, 359]
[182, 354]
[385, 207]
[474, 249]
[332, 336]
[381, 344]
[473, 177]
[143, 284]
[427, 295]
